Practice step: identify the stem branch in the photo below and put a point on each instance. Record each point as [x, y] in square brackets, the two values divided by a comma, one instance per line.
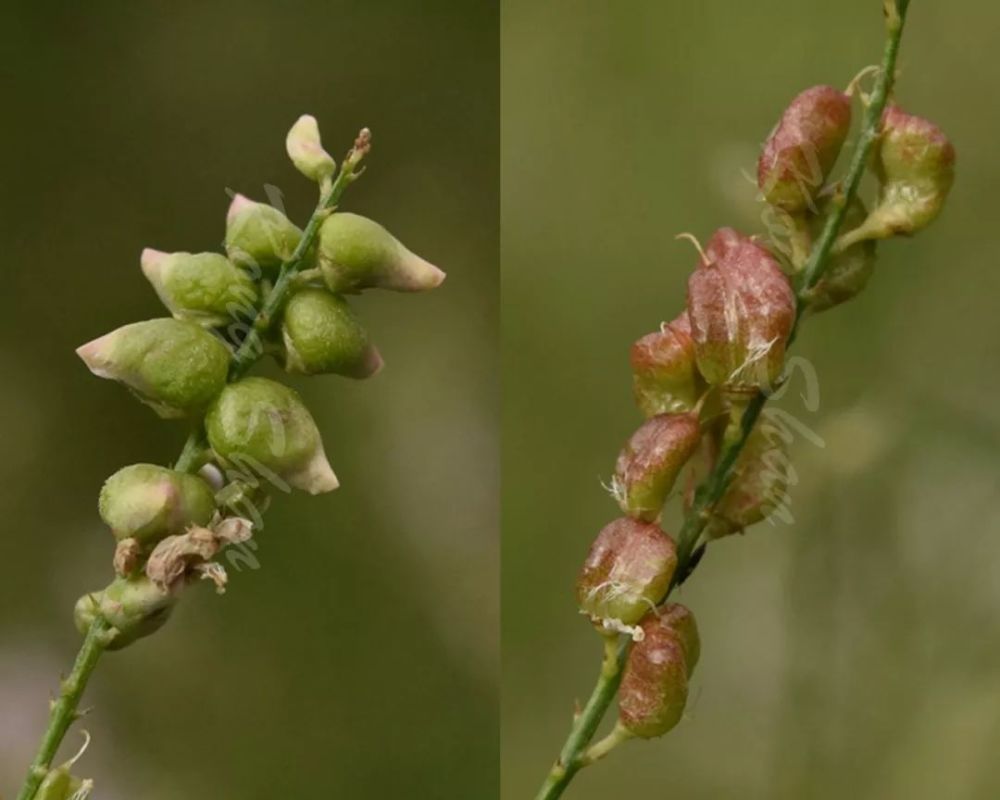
[573, 755]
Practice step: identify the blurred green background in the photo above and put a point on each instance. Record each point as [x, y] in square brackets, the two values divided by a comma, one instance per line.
[360, 659]
[853, 653]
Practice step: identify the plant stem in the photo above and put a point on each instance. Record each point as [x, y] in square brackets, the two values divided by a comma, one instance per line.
[64, 710]
[572, 757]
[193, 454]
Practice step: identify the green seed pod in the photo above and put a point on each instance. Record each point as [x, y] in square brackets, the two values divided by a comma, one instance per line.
[306, 150]
[356, 253]
[651, 460]
[761, 476]
[204, 287]
[654, 685]
[664, 375]
[258, 236]
[848, 270]
[916, 168]
[322, 335]
[259, 424]
[174, 366]
[741, 308]
[134, 607]
[148, 502]
[627, 571]
[802, 149]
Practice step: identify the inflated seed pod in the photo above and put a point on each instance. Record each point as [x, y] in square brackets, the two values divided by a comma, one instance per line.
[741, 309]
[680, 620]
[916, 168]
[322, 335]
[357, 253]
[204, 287]
[664, 375]
[147, 502]
[258, 236]
[135, 607]
[654, 687]
[802, 149]
[651, 460]
[761, 476]
[849, 270]
[627, 571]
[306, 150]
[174, 366]
[259, 424]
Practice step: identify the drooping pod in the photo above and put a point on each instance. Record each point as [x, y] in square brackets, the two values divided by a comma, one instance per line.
[306, 150]
[741, 309]
[174, 366]
[651, 460]
[258, 236]
[147, 502]
[321, 334]
[664, 375]
[802, 149]
[848, 270]
[915, 165]
[627, 571]
[204, 287]
[260, 425]
[135, 607]
[357, 253]
[761, 476]
[654, 687]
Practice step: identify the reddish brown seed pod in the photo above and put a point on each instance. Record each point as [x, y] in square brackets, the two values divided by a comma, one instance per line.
[651, 460]
[759, 487]
[664, 376]
[916, 168]
[803, 147]
[627, 571]
[654, 685]
[741, 309]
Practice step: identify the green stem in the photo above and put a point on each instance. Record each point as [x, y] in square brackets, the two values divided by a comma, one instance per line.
[193, 454]
[573, 755]
[64, 710]
[586, 721]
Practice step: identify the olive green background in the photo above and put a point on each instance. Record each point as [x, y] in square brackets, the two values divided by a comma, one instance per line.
[360, 658]
[856, 652]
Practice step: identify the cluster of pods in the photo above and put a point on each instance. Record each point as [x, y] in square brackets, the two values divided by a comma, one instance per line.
[693, 377]
[169, 524]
